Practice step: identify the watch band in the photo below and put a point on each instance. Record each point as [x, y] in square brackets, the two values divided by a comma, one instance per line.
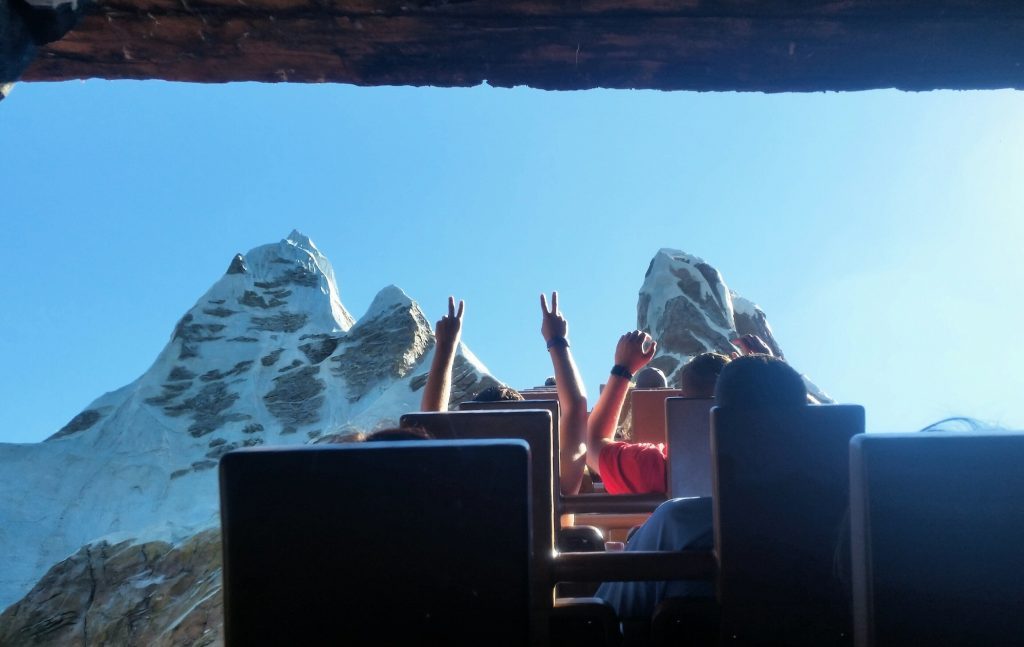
[621, 371]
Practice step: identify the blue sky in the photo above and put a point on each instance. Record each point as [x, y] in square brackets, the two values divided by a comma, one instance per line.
[880, 231]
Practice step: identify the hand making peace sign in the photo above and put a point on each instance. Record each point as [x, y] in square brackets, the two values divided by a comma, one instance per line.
[553, 324]
[448, 329]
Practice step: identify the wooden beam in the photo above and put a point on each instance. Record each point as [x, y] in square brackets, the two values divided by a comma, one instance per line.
[783, 45]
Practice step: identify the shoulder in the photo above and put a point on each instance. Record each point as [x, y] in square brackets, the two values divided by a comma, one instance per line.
[638, 450]
[677, 524]
[698, 508]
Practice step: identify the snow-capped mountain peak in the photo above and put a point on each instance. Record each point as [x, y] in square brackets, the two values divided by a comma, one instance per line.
[268, 355]
[687, 307]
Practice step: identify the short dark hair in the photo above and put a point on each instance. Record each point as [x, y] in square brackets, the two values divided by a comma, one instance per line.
[698, 377]
[500, 393]
[759, 381]
[399, 433]
[650, 378]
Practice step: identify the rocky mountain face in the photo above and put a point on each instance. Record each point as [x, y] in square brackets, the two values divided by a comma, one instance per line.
[128, 593]
[686, 305]
[109, 530]
[269, 355]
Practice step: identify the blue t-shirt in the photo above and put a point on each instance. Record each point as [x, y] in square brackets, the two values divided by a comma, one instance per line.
[677, 524]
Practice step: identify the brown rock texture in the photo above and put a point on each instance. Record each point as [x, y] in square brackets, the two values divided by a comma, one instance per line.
[782, 45]
[152, 594]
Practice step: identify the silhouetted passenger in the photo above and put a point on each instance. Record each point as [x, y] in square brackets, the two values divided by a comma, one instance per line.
[758, 381]
[750, 382]
[698, 377]
[550, 381]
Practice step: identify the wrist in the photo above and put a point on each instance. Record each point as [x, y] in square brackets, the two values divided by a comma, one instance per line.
[446, 347]
[621, 371]
[557, 341]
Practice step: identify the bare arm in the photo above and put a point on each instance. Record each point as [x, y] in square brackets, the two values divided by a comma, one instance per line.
[447, 333]
[633, 352]
[572, 397]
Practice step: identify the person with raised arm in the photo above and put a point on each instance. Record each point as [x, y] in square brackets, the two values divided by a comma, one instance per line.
[447, 333]
[639, 468]
[625, 468]
[572, 397]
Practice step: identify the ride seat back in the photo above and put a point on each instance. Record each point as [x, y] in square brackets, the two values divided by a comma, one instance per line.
[521, 405]
[781, 494]
[540, 393]
[534, 427]
[689, 446]
[647, 407]
[938, 538]
[378, 543]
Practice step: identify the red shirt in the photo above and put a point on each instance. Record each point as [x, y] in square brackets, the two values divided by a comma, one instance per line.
[633, 468]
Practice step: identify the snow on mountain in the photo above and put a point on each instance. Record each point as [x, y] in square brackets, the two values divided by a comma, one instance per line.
[268, 355]
[687, 307]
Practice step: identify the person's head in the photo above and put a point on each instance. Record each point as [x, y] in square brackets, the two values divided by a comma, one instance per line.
[650, 378]
[698, 377]
[550, 381]
[759, 381]
[399, 433]
[500, 393]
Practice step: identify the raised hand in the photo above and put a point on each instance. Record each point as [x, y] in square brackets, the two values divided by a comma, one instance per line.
[448, 329]
[634, 350]
[572, 397]
[447, 332]
[553, 324]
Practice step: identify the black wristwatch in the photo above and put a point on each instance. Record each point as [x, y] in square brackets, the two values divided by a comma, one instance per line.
[622, 371]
